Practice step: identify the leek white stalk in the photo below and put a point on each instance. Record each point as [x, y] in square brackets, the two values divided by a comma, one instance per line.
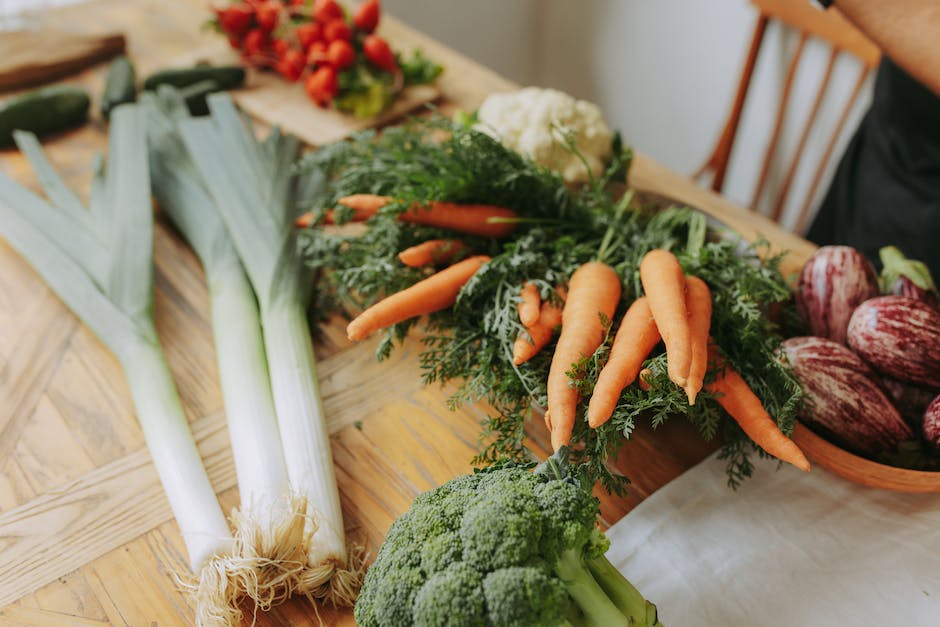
[269, 534]
[99, 262]
[255, 191]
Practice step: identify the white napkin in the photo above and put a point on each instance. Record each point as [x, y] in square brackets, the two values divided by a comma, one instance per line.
[787, 548]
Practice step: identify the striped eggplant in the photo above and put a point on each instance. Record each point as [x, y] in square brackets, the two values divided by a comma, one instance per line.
[931, 427]
[906, 277]
[911, 400]
[846, 404]
[899, 337]
[833, 282]
[903, 286]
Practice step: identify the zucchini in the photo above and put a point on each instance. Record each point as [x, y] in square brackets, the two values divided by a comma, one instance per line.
[227, 76]
[43, 111]
[120, 86]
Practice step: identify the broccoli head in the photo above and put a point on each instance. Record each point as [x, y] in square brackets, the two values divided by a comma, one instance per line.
[503, 547]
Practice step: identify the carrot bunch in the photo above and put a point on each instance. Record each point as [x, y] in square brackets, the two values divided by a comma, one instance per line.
[678, 309]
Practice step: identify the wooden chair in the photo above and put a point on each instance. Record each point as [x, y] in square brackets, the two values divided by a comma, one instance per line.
[809, 21]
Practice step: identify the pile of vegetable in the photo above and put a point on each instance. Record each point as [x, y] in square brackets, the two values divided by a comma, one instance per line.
[507, 546]
[340, 58]
[870, 363]
[462, 228]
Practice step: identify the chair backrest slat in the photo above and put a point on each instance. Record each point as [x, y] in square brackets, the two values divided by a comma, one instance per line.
[721, 155]
[778, 120]
[797, 157]
[805, 211]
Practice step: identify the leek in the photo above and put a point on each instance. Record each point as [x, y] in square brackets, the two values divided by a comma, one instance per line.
[99, 262]
[256, 194]
[268, 553]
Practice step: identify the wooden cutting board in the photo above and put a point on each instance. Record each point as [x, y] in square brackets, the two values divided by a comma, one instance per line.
[275, 101]
[33, 57]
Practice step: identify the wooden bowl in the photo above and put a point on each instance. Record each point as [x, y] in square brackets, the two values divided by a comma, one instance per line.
[860, 470]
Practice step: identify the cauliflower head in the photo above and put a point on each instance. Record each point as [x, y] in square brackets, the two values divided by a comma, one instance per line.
[535, 122]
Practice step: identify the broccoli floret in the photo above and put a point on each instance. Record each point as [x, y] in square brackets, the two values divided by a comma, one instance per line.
[525, 596]
[451, 598]
[503, 547]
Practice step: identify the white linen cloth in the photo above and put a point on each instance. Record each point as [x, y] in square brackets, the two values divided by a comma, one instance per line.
[787, 548]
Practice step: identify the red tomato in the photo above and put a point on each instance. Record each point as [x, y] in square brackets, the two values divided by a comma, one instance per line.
[268, 14]
[317, 53]
[280, 46]
[337, 30]
[235, 20]
[326, 10]
[322, 85]
[379, 54]
[367, 16]
[254, 42]
[340, 54]
[309, 33]
[291, 65]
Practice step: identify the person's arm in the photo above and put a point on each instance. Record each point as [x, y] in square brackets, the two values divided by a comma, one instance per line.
[908, 31]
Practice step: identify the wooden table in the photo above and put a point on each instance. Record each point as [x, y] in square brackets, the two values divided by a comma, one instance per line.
[86, 535]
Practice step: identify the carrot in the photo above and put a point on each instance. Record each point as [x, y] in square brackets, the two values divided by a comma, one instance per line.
[643, 379]
[698, 301]
[664, 284]
[434, 293]
[745, 408]
[433, 251]
[529, 343]
[472, 219]
[635, 338]
[529, 304]
[363, 206]
[593, 293]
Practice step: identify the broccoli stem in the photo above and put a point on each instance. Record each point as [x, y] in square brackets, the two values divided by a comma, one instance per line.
[623, 594]
[598, 609]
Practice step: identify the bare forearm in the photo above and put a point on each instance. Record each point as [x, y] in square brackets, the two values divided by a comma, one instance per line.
[908, 31]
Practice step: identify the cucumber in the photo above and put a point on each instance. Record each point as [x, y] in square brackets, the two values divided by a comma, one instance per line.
[227, 76]
[195, 96]
[120, 86]
[43, 111]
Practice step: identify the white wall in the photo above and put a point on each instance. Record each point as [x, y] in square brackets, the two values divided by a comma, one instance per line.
[664, 71]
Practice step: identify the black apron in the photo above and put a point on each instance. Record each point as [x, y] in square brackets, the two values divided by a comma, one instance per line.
[886, 190]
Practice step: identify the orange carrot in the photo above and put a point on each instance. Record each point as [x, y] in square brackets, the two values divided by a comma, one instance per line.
[304, 220]
[529, 304]
[635, 338]
[433, 251]
[471, 219]
[363, 206]
[664, 284]
[434, 293]
[698, 301]
[465, 218]
[643, 379]
[593, 294]
[529, 343]
[746, 409]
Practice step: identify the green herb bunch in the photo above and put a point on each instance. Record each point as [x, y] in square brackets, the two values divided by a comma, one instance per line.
[559, 228]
